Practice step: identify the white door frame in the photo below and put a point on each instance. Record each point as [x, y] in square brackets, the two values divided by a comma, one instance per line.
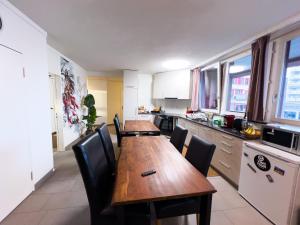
[58, 107]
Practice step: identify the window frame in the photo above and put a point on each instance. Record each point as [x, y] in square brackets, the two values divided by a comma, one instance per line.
[278, 72]
[225, 95]
[212, 66]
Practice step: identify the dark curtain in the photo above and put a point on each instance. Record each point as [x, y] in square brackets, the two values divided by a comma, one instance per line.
[255, 106]
[222, 76]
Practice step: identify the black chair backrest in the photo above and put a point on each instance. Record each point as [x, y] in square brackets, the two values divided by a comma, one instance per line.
[158, 121]
[108, 146]
[178, 137]
[91, 159]
[200, 154]
[118, 119]
[118, 132]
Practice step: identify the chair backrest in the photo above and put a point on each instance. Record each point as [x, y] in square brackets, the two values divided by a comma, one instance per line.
[91, 159]
[158, 121]
[200, 154]
[118, 132]
[118, 119]
[178, 137]
[108, 146]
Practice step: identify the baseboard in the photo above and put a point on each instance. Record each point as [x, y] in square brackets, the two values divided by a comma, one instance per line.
[43, 179]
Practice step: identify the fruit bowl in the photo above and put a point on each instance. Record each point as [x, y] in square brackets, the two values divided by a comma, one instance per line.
[252, 133]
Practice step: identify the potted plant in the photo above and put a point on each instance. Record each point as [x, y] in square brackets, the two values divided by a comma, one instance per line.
[90, 118]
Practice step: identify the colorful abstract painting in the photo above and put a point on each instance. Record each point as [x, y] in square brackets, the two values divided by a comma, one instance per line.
[69, 93]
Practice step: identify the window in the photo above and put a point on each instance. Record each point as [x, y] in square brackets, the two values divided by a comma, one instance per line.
[237, 85]
[209, 88]
[288, 106]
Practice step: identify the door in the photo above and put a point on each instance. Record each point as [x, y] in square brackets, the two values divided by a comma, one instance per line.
[114, 100]
[56, 112]
[15, 165]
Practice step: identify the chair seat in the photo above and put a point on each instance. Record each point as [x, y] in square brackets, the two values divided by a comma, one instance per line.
[172, 208]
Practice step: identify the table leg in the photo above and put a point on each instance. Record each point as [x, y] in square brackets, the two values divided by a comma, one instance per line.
[120, 215]
[153, 219]
[205, 209]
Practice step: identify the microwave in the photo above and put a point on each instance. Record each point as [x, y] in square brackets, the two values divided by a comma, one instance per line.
[283, 137]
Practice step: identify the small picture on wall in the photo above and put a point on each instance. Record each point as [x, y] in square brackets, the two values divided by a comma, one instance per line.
[69, 99]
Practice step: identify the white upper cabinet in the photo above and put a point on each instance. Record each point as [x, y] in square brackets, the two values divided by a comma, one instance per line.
[174, 84]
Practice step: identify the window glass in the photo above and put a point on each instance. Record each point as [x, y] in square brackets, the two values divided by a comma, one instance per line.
[209, 89]
[238, 84]
[289, 102]
[294, 50]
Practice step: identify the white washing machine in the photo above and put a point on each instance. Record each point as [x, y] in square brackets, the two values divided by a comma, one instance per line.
[270, 181]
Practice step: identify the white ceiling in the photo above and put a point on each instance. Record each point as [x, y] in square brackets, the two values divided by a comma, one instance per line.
[106, 35]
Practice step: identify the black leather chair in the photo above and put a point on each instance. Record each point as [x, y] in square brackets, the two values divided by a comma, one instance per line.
[178, 137]
[158, 121]
[98, 182]
[108, 146]
[118, 119]
[199, 154]
[119, 133]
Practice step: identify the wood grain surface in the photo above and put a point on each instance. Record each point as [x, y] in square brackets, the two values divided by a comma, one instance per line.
[175, 177]
[140, 126]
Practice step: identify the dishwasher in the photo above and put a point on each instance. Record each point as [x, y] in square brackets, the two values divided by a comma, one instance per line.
[270, 182]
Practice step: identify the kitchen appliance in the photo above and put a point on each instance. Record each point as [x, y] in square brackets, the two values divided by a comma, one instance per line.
[228, 121]
[280, 136]
[239, 124]
[270, 181]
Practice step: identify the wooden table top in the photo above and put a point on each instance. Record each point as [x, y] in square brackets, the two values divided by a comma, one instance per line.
[140, 126]
[175, 177]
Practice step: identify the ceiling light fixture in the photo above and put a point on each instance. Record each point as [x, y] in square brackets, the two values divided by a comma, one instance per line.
[176, 64]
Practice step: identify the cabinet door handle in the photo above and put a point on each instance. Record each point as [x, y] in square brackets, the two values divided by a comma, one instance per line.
[226, 151]
[226, 137]
[226, 144]
[224, 164]
[251, 167]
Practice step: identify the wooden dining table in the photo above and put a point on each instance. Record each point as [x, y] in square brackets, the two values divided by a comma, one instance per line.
[140, 126]
[175, 177]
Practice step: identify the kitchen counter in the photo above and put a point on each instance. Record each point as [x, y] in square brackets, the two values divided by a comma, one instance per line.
[229, 131]
[161, 114]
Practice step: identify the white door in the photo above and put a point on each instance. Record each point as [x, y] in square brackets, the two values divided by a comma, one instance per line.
[15, 166]
[130, 103]
[56, 109]
[52, 104]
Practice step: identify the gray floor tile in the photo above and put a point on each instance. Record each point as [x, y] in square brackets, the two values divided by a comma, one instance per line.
[66, 200]
[70, 216]
[33, 203]
[24, 218]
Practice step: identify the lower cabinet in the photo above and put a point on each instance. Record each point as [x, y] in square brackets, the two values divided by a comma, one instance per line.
[228, 153]
[145, 117]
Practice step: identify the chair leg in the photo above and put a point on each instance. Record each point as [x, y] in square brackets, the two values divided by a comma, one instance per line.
[198, 218]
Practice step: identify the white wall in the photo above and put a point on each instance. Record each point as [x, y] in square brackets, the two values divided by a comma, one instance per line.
[70, 133]
[21, 34]
[145, 91]
[177, 106]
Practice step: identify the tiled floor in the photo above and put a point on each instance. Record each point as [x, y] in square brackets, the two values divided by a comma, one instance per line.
[62, 201]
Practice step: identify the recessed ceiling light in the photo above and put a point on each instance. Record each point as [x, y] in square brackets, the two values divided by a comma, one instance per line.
[176, 64]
